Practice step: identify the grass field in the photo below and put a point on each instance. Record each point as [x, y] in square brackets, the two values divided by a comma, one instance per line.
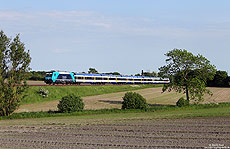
[57, 92]
[109, 99]
[203, 110]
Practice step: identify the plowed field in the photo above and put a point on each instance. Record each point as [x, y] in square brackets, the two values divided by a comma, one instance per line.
[120, 133]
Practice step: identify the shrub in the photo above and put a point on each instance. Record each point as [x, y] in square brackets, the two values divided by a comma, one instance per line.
[43, 92]
[70, 103]
[133, 100]
[182, 102]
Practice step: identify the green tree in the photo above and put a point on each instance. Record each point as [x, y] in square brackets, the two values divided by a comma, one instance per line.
[221, 79]
[133, 100]
[70, 103]
[14, 67]
[37, 75]
[188, 73]
[148, 74]
[112, 73]
[92, 71]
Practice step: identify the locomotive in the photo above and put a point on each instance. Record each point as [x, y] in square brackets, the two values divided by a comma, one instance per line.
[63, 77]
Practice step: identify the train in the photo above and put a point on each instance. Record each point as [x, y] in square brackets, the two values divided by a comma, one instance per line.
[64, 77]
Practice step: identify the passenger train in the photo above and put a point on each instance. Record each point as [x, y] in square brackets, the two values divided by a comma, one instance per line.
[62, 77]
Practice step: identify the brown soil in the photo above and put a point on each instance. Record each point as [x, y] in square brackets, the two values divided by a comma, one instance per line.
[158, 133]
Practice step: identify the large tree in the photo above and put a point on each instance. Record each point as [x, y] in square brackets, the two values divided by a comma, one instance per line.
[14, 67]
[188, 73]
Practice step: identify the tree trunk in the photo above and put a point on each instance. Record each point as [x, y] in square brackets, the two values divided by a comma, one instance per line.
[187, 95]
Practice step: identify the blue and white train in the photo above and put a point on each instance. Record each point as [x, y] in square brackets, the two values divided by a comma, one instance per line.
[62, 77]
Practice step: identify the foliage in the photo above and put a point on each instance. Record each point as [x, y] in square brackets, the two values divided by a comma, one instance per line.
[92, 71]
[221, 79]
[70, 103]
[14, 67]
[37, 75]
[112, 73]
[187, 73]
[43, 92]
[182, 102]
[133, 100]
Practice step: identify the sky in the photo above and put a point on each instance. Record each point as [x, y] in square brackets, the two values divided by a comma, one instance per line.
[124, 36]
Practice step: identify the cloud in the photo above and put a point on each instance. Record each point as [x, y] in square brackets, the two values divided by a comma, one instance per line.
[13, 15]
[73, 22]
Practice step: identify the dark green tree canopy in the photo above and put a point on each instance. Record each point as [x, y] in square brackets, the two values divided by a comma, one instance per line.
[188, 73]
[92, 71]
[14, 67]
[221, 79]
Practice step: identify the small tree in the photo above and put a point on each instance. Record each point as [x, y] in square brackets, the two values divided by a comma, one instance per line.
[187, 73]
[14, 67]
[133, 100]
[92, 71]
[70, 103]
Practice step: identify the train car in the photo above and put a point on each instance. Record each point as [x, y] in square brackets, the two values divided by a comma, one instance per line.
[57, 77]
[114, 79]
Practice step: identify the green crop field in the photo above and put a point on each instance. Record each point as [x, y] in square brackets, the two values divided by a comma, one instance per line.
[57, 92]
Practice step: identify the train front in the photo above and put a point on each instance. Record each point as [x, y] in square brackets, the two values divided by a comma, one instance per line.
[48, 78]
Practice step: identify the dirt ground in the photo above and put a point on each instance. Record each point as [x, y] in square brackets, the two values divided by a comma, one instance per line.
[154, 96]
[121, 133]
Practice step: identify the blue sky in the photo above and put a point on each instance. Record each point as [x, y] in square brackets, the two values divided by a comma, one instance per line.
[117, 35]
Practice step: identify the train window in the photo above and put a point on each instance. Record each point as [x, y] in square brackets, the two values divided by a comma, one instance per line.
[49, 75]
[98, 78]
[137, 79]
[121, 79]
[64, 76]
[112, 78]
[89, 78]
[104, 78]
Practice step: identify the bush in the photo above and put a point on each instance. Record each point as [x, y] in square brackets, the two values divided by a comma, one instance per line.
[70, 103]
[133, 100]
[182, 102]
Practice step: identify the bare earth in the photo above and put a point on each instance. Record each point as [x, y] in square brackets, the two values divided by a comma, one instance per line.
[121, 133]
[154, 96]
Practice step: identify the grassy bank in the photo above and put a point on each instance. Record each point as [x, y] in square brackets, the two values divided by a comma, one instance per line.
[222, 109]
[57, 92]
